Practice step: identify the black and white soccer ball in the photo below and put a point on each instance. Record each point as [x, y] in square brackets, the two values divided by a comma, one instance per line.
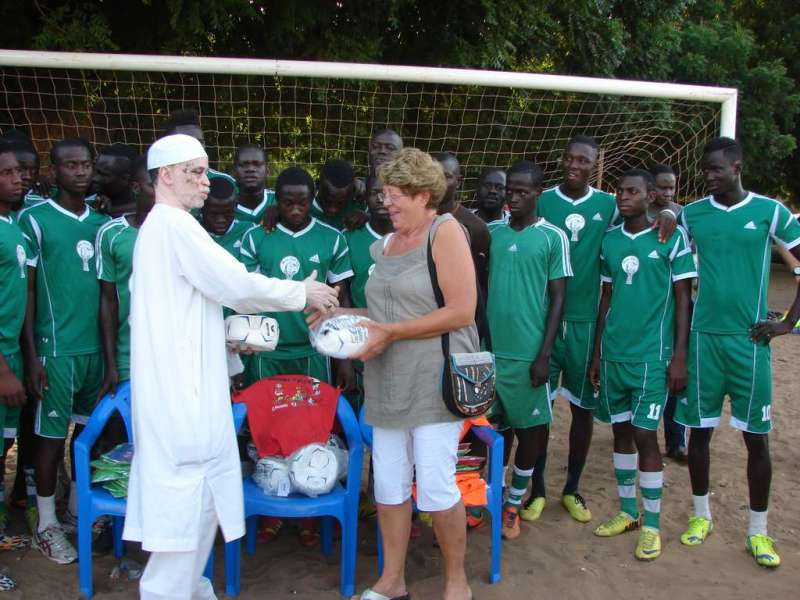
[341, 336]
[272, 475]
[313, 469]
[252, 332]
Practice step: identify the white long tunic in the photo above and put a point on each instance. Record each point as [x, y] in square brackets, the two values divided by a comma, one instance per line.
[182, 422]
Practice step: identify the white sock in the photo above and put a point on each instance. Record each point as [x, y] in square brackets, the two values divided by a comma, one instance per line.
[758, 523]
[701, 507]
[47, 511]
[72, 505]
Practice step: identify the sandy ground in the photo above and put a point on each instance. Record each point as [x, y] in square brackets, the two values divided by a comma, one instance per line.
[555, 557]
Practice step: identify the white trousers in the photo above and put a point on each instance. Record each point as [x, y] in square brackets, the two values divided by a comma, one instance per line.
[179, 575]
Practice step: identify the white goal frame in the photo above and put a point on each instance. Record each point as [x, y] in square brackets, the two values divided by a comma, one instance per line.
[726, 97]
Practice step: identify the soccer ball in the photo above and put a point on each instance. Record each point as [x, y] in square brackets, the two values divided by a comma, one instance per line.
[272, 476]
[313, 469]
[340, 336]
[252, 332]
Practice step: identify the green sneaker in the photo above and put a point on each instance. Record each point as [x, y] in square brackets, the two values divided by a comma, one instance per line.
[697, 532]
[533, 509]
[649, 546]
[619, 523]
[576, 507]
[762, 547]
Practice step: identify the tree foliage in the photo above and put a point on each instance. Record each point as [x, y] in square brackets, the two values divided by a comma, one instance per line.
[747, 44]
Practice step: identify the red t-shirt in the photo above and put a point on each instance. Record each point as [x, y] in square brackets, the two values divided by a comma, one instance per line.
[287, 412]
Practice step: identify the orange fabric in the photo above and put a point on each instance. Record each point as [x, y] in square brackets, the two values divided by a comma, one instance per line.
[481, 421]
[471, 486]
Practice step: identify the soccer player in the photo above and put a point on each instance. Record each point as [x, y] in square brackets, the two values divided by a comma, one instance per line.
[112, 179]
[13, 297]
[729, 351]
[640, 350]
[490, 198]
[187, 122]
[583, 213]
[218, 217]
[61, 341]
[383, 146]
[336, 193]
[114, 251]
[666, 186]
[251, 172]
[476, 229]
[300, 246]
[528, 269]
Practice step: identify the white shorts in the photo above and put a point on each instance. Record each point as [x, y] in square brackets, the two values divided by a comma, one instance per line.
[431, 450]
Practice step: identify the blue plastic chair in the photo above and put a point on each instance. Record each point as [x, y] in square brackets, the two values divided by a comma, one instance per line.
[340, 504]
[93, 500]
[494, 490]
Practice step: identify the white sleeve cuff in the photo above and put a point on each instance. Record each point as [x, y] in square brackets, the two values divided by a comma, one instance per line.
[679, 276]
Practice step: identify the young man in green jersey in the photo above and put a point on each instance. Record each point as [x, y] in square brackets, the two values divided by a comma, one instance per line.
[251, 171]
[729, 351]
[336, 194]
[298, 247]
[187, 122]
[218, 217]
[111, 181]
[14, 251]
[114, 251]
[528, 269]
[61, 337]
[584, 214]
[640, 350]
[490, 198]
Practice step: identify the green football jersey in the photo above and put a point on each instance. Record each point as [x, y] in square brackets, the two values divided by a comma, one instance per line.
[521, 263]
[585, 222]
[115, 242]
[231, 240]
[254, 215]
[294, 255]
[14, 253]
[67, 290]
[359, 241]
[640, 323]
[734, 250]
[336, 222]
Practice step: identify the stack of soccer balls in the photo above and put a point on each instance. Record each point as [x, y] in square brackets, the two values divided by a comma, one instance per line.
[252, 332]
[311, 470]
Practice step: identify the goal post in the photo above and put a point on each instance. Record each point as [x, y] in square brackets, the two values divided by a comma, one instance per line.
[306, 112]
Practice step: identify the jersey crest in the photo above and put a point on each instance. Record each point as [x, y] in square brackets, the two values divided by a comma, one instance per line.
[575, 223]
[85, 251]
[289, 266]
[630, 264]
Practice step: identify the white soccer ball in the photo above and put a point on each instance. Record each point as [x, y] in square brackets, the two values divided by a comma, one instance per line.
[272, 476]
[252, 332]
[339, 337]
[313, 469]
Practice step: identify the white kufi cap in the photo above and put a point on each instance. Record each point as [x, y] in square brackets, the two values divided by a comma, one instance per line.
[173, 150]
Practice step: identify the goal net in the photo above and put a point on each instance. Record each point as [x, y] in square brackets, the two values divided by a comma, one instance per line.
[487, 119]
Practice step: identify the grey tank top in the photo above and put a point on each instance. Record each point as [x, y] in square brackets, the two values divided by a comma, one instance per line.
[403, 385]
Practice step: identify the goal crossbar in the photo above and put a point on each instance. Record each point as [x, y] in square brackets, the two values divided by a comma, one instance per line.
[726, 97]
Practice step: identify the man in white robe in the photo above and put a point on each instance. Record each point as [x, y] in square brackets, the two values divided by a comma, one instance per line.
[186, 477]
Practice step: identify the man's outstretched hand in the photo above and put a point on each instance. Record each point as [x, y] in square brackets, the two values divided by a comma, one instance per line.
[320, 296]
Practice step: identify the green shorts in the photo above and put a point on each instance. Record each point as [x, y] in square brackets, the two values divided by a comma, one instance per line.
[9, 415]
[635, 392]
[731, 365]
[73, 383]
[519, 405]
[570, 360]
[262, 365]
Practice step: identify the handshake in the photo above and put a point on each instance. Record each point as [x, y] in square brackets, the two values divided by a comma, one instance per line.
[319, 296]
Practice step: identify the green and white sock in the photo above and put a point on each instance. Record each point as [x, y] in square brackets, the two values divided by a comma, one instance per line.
[625, 471]
[519, 486]
[652, 484]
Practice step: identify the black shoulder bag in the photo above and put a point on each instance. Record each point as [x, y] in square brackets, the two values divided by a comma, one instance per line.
[469, 377]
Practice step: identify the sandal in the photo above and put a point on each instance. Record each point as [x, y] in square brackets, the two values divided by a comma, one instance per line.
[369, 594]
[6, 583]
[309, 534]
[269, 529]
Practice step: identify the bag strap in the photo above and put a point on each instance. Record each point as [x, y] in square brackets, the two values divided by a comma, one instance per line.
[437, 293]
